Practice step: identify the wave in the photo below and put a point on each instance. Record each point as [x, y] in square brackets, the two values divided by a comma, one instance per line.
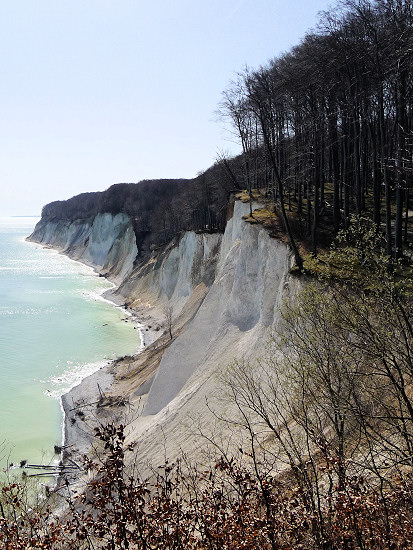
[71, 377]
[31, 311]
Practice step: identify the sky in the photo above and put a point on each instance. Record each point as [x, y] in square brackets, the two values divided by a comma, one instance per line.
[97, 92]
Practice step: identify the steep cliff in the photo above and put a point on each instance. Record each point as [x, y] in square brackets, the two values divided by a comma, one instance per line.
[248, 278]
[247, 272]
[106, 242]
[224, 292]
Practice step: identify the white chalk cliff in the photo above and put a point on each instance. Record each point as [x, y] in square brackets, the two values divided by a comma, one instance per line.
[225, 291]
[106, 242]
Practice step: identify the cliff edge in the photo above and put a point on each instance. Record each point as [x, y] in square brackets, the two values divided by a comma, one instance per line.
[208, 299]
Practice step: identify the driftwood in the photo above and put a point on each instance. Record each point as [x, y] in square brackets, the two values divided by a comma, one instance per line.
[51, 470]
[83, 405]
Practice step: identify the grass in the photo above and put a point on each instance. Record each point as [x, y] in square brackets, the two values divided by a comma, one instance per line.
[256, 195]
[324, 264]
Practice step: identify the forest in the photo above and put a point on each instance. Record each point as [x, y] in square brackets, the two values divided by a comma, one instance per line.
[325, 132]
[326, 128]
[159, 209]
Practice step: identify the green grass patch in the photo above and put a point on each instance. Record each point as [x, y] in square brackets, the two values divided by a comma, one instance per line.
[256, 195]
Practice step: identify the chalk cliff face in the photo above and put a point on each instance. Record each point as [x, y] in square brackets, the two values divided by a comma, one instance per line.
[248, 278]
[107, 242]
[224, 291]
[237, 313]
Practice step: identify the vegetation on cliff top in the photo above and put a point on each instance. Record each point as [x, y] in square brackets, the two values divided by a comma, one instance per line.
[326, 128]
[159, 209]
[326, 135]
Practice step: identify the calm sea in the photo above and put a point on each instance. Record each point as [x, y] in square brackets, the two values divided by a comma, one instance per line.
[55, 328]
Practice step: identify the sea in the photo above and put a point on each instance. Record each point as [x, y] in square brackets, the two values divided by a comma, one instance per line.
[55, 329]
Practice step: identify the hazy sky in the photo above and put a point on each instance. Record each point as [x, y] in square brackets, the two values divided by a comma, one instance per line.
[96, 92]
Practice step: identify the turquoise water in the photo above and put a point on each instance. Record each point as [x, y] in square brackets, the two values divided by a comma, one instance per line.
[55, 328]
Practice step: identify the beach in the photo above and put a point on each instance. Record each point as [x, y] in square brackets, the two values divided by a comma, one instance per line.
[92, 402]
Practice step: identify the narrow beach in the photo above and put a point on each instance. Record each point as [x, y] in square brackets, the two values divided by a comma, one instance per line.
[80, 404]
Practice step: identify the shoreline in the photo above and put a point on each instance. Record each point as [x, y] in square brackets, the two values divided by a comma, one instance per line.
[80, 403]
[84, 406]
[76, 437]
